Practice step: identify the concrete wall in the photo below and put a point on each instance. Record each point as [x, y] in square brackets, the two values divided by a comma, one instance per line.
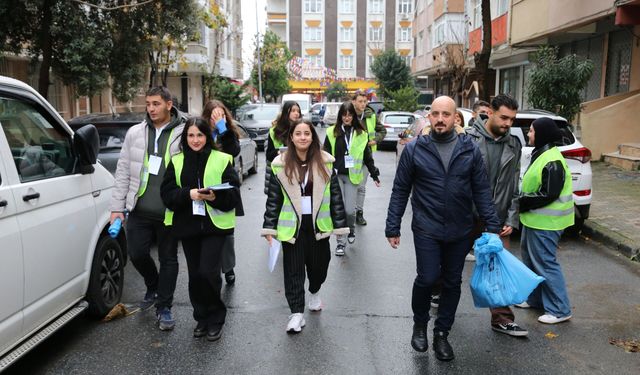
[605, 128]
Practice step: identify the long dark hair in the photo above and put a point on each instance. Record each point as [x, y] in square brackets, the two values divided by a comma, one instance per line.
[203, 126]
[282, 123]
[347, 107]
[314, 155]
[208, 110]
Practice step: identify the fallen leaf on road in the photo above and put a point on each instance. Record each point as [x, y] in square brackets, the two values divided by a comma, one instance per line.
[157, 344]
[629, 346]
[551, 335]
[119, 311]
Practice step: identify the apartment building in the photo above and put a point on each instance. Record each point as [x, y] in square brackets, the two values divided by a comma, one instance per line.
[342, 35]
[439, 42]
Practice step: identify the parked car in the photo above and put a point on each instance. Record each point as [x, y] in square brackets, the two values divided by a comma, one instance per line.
[257, 122]
[331, 114]
[112, 128]
[577, 156]
[395, 122]
[378, 107]
[57, 257]
[247, 161]
[315, 113]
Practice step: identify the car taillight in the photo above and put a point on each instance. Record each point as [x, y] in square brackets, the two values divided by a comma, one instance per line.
[582, 193]
[582, 154]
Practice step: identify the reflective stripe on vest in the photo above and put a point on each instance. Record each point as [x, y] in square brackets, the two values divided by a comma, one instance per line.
[558, 214]
[276, 143]
[144, 173]
[288, 219]
[216, 164]
[371, 130]
[356, 150]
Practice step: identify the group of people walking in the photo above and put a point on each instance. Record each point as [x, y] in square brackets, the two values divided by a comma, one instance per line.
[175, 181]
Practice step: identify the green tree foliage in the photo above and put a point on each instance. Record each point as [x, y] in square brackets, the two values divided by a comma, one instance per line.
[391, 72]
[230, 94]
[402, 99]
[336, 92]
[556, 84]
[274, 56]
[85, 42]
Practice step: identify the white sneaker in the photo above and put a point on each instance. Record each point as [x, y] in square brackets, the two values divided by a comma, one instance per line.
[523, 305]
[315, 303]
[470, 258]
[296, 322]
[550, 319]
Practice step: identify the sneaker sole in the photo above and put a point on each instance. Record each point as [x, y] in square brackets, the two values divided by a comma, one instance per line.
[560, 320]
[294, 331]
[351, 242]
[339, 254]
[166, 328]
[511, 333]
[214, 338]
[315, 309]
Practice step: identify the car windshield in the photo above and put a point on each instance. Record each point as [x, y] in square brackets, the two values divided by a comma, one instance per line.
[399, 119]
[262, 113]
[112, 138]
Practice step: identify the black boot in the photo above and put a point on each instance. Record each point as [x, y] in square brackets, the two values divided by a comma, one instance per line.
[230, 277]
[419, 338]
[360, 218]
[441, 346]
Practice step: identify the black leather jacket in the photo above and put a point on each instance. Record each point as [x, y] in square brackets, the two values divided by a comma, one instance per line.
[552, 183]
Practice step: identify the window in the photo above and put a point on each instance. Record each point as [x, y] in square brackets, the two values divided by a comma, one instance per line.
[509, 81]
[375, 34]
[407, 60]
[420, 42]
[312, 34]
[39, 149]
[371, 59]
[315, 60]
[313, 6]
[404, 6]
[404, 34]
[438, 35]
[503, 6]
[375, 6]
[346, 62]
[346, 6]
[476, 20]
[346, 34]
[420, 5]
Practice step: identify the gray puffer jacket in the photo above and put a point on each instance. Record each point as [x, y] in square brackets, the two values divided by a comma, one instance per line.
[506, 186]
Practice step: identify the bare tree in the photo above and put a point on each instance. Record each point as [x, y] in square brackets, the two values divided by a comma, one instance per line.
[482, 59]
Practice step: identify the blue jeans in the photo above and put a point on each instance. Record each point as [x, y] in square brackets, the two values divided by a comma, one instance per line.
[539, 254]
[433, 258]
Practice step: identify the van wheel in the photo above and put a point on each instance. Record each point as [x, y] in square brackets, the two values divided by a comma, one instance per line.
[254, 169]
[107, 277]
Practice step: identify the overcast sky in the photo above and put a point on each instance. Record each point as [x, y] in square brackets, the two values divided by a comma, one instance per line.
[249, 9]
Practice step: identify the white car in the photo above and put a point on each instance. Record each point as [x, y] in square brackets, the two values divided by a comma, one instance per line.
[577, 156]
[57, 257]
[396, 122]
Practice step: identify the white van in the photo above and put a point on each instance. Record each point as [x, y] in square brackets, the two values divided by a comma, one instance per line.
[57, 258]
[303, 100]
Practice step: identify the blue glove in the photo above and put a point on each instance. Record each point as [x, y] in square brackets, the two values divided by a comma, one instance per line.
[114, 229]
[221, 125]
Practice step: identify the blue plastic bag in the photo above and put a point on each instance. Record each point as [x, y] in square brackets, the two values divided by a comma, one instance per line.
[499, 278]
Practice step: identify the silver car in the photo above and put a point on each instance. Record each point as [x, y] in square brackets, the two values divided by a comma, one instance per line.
[395, 122]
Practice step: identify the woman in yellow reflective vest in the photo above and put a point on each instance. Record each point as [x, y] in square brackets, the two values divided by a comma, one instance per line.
[304, 207]
[347, 141]
[278, 135]
[546, 209]
[202, 217]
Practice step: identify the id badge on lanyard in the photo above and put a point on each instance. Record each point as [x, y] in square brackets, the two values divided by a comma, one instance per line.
[306, 201]
[349, 162]
[198, 208]
[155, 162]
[348, 159]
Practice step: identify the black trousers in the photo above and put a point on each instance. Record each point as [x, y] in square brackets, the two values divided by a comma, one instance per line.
[306, 252]
[140, 232]
[204, 261]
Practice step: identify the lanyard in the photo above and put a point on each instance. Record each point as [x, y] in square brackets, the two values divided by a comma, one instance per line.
[347, 141]
[303, 186]
[158, 134]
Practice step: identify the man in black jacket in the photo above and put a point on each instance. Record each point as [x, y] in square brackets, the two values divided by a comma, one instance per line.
[445, 175]
[501, 152]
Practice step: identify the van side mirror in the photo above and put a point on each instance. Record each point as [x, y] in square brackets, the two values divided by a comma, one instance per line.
[86, 144]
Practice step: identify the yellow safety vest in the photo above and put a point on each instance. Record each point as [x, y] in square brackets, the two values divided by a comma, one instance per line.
[356, 150]
[144, 173]
[557, 215]
[371, 130]
[216, 164]
[276, 143]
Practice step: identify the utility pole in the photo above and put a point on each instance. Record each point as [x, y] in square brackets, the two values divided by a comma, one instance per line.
[258, 53]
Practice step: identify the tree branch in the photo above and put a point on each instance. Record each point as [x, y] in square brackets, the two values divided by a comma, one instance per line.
[114, 7]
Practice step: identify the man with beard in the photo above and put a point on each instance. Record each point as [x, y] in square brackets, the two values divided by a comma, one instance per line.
[445, 176]
[501, 153]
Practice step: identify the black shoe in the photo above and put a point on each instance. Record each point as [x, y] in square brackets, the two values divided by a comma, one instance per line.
[200, 330]
[360, 218]
[419, 338]
[351, 238]
[441, 346]
[214, 334]
[230, 277]
[435, 301]
[511, 329]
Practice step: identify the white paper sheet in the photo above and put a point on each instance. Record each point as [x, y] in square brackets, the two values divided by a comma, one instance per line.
[274, 250]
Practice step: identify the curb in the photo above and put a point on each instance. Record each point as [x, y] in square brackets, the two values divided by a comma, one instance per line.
[612, 239]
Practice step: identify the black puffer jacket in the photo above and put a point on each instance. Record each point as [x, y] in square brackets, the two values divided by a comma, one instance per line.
[275, 198]
[442, 201]
[178, 199]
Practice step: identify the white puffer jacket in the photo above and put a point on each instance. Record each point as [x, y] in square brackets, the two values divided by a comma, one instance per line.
[129, 167]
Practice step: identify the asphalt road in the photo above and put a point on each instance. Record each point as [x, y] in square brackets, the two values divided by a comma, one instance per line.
[365, 327]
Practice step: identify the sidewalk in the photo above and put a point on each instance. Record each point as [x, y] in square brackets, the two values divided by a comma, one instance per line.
[614, 219]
